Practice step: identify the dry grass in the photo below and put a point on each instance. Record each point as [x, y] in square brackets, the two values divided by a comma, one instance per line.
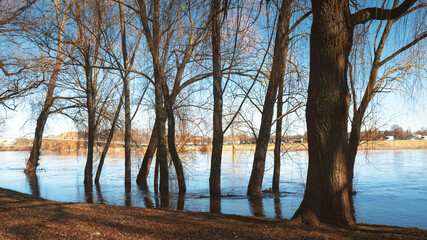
[26, 217]
[371, 145]
[392, 145]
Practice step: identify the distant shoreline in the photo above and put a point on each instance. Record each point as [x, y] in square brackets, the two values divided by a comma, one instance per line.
[371, 145]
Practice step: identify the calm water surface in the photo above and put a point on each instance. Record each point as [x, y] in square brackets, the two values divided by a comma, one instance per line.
[391, 185]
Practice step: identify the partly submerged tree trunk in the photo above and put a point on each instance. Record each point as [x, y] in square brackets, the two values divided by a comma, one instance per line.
[217, 140]
[141, 179]
[328, 197]
[33, 160]
[90, 101]
[277, 73]
[125, 76]
[173, 152]
[44, 114]
[328, 194]
[161, 135]
[278, 142]
[162, 157]
[109, 139]
[370, 91]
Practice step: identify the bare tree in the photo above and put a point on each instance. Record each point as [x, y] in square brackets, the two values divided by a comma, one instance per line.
[276, 76]
[61, 20]
[217, 140]
[17, 70]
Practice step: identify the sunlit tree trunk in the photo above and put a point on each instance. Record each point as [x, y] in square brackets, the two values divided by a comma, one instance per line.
[278, 142]
[174, 154]
[109, 139]
[277, 73]
[328, 194]
[217, 140]
[90, 102]
[128, 127]
[33, 160]
[328, 191]
[141, 179]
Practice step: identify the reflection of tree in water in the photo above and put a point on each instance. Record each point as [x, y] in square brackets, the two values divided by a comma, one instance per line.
[99, 194]
[88, 192]
[256, 206]
[128, 195]
[181, 201]
[215, 205]
[33, 181]
[277, 206]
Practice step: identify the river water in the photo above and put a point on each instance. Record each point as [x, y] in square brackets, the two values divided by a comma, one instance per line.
[391, 185]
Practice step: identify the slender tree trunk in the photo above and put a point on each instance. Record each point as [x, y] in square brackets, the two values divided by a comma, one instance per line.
[278, 142]
[44, 114]
[156, 176]
[90, 101]
[277, 73]
[174, 154]
[128, 127]
[370, 92]
[328, 197]
[33, 160]
[141, 179]
[109, 139]
[217, 140]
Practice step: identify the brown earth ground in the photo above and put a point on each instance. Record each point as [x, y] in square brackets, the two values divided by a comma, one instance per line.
[24, 216]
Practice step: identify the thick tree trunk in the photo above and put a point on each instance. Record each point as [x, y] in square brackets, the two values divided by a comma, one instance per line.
[161, 135]
[217, 140]
[277, 73]
[162, 157]
[328, 197]
[141, 179]
[278, 142]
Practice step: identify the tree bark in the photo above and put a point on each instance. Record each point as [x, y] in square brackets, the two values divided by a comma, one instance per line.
[174, 154]
[109, 139]
[328, 194]
[328, 197]
[161, 135]
[33, 160]
[128, 127]
[277, 73]
[90, 102]
[278, 142]
[141, 179]
[218, 138]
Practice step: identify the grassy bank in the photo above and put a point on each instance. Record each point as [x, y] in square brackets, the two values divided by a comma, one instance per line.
[27, 217]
